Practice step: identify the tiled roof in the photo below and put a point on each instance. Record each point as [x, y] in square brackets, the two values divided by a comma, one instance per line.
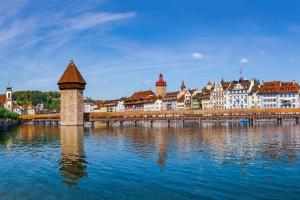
[170, 96]
[141, 95]
[71, 75]
[278, 87]
[244, 83]
[2, 99]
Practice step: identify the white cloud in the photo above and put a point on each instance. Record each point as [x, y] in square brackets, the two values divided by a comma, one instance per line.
[94, 19]
[197, 56]
[244, 61]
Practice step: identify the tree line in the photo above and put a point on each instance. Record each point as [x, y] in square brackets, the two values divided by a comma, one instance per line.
[51, 100]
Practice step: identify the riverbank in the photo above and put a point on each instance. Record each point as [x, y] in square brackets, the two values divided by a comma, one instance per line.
[6, 124]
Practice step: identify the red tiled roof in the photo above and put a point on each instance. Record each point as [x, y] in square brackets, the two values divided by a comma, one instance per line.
[2, 99]
[141, 95]
[278, 87]
[161, 81]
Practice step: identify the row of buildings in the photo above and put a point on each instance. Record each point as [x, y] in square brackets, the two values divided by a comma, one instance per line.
[6, 101]
[240, 94]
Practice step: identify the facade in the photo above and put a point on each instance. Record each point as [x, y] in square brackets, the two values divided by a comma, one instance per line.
[6, 100]
[136, 101]
[237, 94]
[161, 86]
[254, 98]
[278, 94]
[170, 101]
[71, 85]
[218, 95]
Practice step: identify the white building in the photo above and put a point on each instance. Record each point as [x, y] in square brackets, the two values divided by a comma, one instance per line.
[170, 101]
[278, 94]
[237, 94]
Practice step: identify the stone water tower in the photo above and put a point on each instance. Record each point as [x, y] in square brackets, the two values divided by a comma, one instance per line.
[71, 85]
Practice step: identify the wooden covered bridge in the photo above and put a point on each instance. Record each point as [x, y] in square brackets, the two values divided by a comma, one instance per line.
[246, 115]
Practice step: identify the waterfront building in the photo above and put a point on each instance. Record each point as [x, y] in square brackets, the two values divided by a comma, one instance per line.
[31, 109]
[237, 94]
[277, 94]
[196, 102]
[254, 98]
[153, 103]
[218, 95]
[170, 101]
[6, 100]
[100, 106]
[71, 85]
[161, 86]
[19, 110]
[136, 101]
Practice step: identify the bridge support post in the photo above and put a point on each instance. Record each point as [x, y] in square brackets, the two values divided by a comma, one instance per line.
[279, 120]
[135, 123]
[169, 123]
[92, 123]
[182, 122]
[151, 123]
[251, 121]
[107, 124]
[297, 120]
[121, 123]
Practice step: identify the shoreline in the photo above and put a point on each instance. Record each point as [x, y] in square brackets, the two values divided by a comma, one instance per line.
[6, 124]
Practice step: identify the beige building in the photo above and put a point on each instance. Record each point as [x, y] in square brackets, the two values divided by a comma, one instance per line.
[218, 95]
[71, 85]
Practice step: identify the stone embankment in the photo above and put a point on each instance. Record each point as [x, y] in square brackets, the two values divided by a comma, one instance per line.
[5, 124]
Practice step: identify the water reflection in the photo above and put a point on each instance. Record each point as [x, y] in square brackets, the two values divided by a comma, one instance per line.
[225, 144]
[72, 164]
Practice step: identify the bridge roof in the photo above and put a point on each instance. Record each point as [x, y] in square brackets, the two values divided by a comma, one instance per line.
[71, 75]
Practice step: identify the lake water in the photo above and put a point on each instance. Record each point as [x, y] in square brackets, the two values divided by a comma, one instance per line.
[50, 162]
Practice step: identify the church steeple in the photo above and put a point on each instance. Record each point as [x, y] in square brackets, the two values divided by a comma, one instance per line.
[183, 87]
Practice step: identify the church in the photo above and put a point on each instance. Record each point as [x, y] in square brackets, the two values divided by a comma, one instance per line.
[6, 99]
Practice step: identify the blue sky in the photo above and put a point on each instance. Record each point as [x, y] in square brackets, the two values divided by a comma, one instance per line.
[122, 46]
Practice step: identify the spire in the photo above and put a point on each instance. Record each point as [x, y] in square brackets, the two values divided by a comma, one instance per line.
[8, 87]
[183, 87]
[241, 75]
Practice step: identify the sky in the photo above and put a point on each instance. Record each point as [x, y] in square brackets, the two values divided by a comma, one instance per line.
[122, 46]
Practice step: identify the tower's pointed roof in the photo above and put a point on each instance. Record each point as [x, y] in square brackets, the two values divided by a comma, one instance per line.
[71, 75]
[71, 78]
[161, 81]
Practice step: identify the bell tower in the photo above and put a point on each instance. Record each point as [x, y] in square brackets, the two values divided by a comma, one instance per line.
[9, 102]
[71, 85]
[161, 86]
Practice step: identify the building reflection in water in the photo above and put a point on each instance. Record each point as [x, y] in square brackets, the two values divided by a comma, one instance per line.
[72, 164]
[226, 145]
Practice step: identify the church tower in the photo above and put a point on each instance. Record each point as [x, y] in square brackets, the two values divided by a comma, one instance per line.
[9, 102]
[71, 85]
[161, 86]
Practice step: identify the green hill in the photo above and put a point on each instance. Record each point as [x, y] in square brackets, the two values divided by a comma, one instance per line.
[51, 100]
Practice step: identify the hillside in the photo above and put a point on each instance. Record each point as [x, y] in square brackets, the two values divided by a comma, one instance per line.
[51, 100]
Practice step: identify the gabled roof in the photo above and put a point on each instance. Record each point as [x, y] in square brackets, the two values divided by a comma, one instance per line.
[71, 75]
[141, 95]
